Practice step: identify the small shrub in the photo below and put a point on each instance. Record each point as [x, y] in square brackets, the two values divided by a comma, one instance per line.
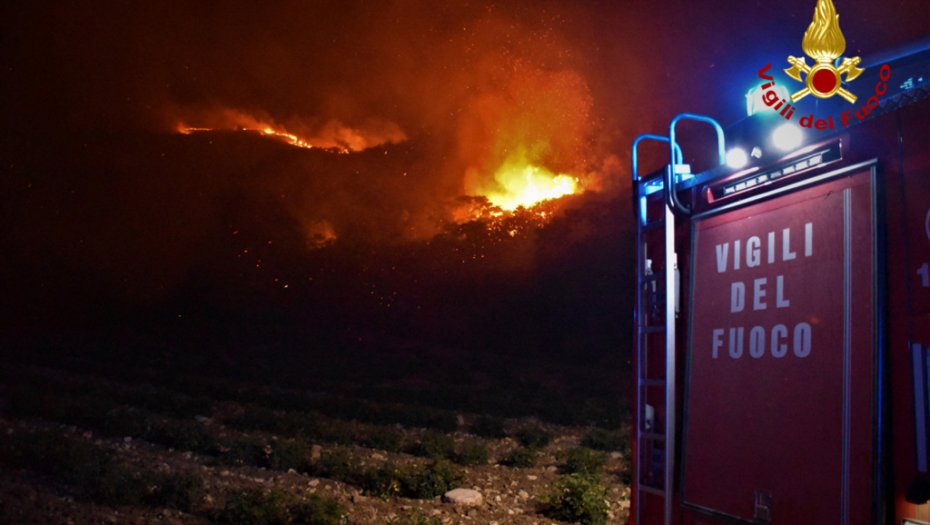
[86, 412]
[316, 510]
[339, 464]
[521, 457]
[288, 455]
[417, 416]
[472, 454]
[255, 507]
[123, 421]
[384, 482]
[81, 463]
[301, 424]
[535, 437]
[434, 445]
[489, 427]
[255, 417]
[167, 402]
[85, 466]
[78, 462]
[116, 486]
[196, 406]
[605, 440]
[582, 460]
[195, 438]
[178, 491]
[434, 480]
[383, 438]
[182, 436]
[579, 498]
[245, 452]
[336, 431]
[444, 422]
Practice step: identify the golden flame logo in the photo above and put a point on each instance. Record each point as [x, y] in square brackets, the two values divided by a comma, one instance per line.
[824, 42]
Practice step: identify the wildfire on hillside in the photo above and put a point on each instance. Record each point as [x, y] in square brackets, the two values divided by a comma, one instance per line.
[519, 183]
[291, 139]
[526, 185]
[521, 138]
[331, 135]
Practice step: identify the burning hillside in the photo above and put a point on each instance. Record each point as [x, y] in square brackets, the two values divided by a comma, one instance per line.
[325, 161]
[526, 185]
[313, 133]
[499, 100]
[517, 183]
[293, 140]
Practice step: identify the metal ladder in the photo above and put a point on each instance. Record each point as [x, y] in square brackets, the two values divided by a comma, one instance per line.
[655, 313]
[655, 343]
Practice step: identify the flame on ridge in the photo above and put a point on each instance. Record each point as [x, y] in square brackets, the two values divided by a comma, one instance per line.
[331, 135]
[291, 139]
[521, 183]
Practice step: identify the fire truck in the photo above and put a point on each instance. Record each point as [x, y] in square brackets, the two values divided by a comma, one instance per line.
[782, 353]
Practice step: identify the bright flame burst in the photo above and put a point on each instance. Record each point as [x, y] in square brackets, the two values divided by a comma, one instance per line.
[523, 184]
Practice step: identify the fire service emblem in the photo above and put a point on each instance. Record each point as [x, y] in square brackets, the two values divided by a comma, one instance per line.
[824, 42]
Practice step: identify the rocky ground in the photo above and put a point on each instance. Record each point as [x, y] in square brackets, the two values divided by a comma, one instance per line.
[35, 493]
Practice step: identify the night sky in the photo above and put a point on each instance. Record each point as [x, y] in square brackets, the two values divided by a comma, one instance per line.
[113, 223]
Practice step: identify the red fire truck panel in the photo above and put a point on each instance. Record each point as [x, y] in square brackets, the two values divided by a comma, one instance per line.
[781, 351]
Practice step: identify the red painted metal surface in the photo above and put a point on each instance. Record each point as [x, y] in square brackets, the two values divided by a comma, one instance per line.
[793, 420]
[771, 424]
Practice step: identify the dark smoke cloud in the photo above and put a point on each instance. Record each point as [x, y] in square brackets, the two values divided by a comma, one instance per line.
[465, 83]
[426, 67]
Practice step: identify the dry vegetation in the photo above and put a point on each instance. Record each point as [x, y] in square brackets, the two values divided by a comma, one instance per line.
[82, 449]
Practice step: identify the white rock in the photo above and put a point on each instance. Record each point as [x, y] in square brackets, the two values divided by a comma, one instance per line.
[463, 497]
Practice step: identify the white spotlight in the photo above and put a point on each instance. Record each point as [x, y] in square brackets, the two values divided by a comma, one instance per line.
[736, 158]
[787, 137]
